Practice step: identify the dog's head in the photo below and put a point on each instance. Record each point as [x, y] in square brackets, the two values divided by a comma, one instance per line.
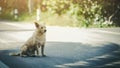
[40, 28]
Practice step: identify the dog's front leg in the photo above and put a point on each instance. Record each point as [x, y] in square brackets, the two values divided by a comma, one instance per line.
[37, 49]
[42, 51]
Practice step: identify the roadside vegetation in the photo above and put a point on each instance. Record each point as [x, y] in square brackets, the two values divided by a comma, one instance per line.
[73, 13]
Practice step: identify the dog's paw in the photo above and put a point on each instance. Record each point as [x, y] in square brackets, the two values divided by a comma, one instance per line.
[43, 55]
[33, 56]
[23, 55]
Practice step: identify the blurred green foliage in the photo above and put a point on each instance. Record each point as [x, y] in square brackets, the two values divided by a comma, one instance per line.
[78, 13]
[87, 13]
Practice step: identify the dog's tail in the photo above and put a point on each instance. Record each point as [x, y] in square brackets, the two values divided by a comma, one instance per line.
[14, 54]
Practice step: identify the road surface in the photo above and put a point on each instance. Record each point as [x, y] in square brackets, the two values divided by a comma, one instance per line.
[65, 47]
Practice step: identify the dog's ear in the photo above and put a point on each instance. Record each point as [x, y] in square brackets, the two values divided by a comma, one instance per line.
[36, 24]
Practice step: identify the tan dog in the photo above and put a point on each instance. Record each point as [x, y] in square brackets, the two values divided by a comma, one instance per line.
[33, 44]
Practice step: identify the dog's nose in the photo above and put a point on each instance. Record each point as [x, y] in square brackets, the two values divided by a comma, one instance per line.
[45, 30]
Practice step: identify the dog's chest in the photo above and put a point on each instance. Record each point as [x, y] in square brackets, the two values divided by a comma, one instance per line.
[41, 39]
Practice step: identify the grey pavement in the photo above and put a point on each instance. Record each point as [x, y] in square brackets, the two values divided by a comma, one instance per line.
[65, 48]
[2, 65]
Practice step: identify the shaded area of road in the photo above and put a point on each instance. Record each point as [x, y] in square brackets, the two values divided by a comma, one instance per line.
[67, 55]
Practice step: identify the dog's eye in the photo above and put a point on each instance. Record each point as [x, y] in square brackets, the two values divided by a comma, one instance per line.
[41, 27]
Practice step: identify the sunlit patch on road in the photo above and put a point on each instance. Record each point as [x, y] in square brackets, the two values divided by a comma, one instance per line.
[79, 63]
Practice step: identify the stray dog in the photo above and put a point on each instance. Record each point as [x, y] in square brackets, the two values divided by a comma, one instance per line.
[32, 45]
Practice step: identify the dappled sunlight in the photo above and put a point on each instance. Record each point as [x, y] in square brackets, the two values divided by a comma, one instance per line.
[79, 63]
[113, 63]
[99, 57]
[98, 60]
[67, 55]
[110, 64]
[116, 51]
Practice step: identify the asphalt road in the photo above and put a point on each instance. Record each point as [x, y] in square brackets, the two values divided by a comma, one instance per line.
[65, 47]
